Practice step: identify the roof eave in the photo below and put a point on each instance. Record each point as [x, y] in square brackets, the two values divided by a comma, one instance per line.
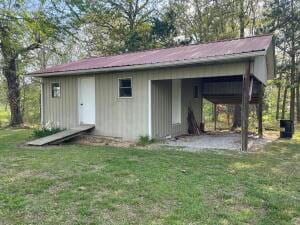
[224, 58]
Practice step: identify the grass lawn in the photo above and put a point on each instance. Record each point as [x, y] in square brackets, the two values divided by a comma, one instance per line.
[4, 117]
[76, 184]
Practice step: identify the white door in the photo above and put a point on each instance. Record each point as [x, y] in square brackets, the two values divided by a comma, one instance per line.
[86, 100]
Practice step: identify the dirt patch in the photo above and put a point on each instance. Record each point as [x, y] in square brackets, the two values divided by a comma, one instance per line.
[31, 173]
[58, 187]
[102, 141]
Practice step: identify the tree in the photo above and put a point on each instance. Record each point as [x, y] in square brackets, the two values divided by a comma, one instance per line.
[24, 27]
[283, 18]
[206, 20]
[115, 26]
[163, 28]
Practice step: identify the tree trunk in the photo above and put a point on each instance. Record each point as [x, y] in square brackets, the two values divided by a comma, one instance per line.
[284, 101]
[293, 68]
[23, 101]
[260, 110]
[215, 117]
[278, 97]
[242, 18]
[297, 103]
[13, 87]
[237, 117]
[292, 102]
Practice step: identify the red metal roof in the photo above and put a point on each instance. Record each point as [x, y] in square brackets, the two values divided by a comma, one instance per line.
[196, 51]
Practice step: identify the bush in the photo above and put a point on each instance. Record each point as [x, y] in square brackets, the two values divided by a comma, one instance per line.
[44, 131]
[144, 140]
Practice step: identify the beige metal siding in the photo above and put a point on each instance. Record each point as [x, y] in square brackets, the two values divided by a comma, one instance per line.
[61, 111]
[271, 63]
[127, 118]
[260, 68]
[200, 71]
[162, 107]
[121, 117]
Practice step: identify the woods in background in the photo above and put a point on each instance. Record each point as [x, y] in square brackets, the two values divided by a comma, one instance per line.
[38, 34]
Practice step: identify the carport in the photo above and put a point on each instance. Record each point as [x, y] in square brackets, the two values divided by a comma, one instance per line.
[238, 79]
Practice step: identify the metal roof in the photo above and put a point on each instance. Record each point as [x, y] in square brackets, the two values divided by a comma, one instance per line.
[167, 55]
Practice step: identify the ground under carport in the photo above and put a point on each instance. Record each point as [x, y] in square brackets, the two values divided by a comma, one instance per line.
[219, 140]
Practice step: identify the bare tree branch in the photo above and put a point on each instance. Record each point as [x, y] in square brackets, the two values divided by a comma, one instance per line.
[30, 47]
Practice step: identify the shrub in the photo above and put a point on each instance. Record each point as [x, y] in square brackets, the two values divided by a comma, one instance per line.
[144, 140]
[44, 131]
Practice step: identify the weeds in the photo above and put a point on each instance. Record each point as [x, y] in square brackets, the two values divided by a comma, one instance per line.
[144, 140]
[43, 132]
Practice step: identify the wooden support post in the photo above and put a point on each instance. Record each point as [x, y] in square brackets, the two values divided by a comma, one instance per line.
[245, 107]
[215, 117]
[260, 110]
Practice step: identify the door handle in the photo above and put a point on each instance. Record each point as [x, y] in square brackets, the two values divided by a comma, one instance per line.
[81, 104]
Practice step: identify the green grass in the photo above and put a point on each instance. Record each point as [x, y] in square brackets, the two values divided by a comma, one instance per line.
[75, 184]
[4, 117]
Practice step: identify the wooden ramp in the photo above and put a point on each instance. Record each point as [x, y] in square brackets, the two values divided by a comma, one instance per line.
[61, 136]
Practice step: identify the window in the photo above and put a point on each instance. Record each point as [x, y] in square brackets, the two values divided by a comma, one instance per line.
[176, 101]
[125, 88]
[196, 92]
[55, 88]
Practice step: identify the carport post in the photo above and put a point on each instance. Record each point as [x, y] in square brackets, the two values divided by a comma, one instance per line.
[245, 107]
[260, 110]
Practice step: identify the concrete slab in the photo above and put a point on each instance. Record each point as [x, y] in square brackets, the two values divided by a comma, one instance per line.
[61, 136]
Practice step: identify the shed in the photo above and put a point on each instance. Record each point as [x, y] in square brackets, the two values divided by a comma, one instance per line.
[149, 92]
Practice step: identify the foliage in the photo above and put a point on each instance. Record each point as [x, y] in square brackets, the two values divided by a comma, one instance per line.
[282, 17]
[44, 131]
[115, 26]
[144, 140]
[4, 117]
[76, 184]
[24, 27]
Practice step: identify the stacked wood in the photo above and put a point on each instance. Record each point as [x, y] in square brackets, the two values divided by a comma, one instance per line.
[193, 127]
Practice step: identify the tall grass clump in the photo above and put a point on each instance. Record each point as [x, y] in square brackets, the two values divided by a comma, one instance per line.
[144, 140]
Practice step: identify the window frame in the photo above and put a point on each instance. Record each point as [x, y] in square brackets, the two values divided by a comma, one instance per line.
[119, 87]
[52, 93]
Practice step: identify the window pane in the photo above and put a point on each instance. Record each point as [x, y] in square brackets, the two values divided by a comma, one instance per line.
[125, 92]
[125, 83]
[55, 90]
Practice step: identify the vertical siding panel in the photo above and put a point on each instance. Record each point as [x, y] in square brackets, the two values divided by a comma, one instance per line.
[60, 110]
[67, 103]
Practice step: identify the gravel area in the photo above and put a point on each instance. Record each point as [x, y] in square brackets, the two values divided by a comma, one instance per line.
[221, 140]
